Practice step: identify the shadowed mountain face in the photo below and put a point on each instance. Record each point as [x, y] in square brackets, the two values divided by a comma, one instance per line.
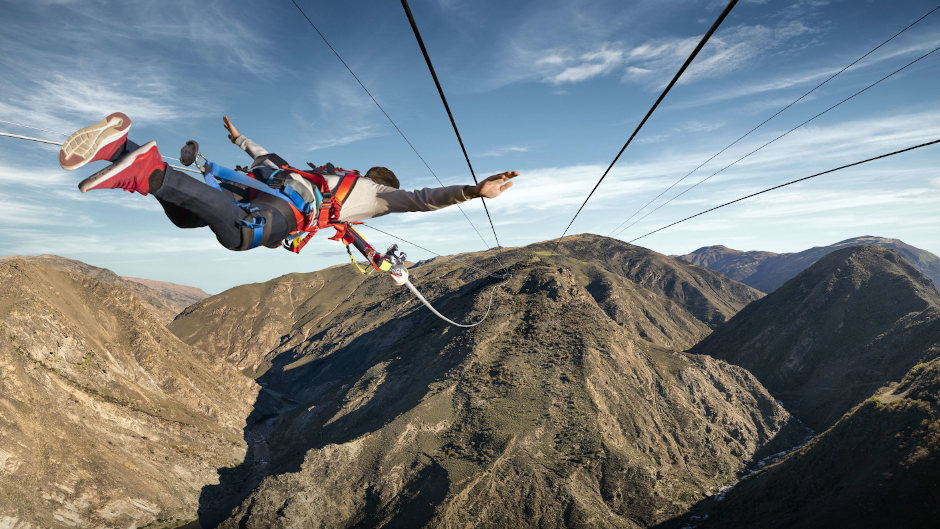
[766, 271]
[164, 300]
[879, 466]
[564, 408]
[828, 338]
[106, 418]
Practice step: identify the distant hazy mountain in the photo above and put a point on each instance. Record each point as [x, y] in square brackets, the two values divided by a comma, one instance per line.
[180, 296]
[879, 466]
[106, 418]
[766, 271]
[564, 408]
[165, 300]
[828, 338]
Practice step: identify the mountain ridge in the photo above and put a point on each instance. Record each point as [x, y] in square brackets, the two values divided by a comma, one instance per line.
[767, 271]
[164, 299]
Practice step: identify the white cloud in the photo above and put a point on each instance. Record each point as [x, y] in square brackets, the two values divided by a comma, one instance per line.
[501, 151]
[589, 65]
[350, 134]
[34, 177]
[653, 62]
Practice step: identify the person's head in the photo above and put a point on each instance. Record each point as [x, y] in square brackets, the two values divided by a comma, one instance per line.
[383, 176]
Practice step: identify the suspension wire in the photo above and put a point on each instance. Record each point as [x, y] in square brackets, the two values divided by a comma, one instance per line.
[675, 79]
[31, 127]
[427, 59]
[40, 140]
[427, 304]
[788, 183]
[693, 186]
[486, 274]
[389, 118]
[762, 123]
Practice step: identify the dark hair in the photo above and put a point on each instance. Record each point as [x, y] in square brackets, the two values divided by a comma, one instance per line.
[383, 176]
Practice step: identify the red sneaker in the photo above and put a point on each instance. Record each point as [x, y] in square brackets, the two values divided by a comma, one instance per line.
[130, 173]
[95, 142]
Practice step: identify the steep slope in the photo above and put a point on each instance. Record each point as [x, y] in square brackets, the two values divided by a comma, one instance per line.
[664, 301]
[766, 271]
[879, 466]
[559, 410]
[106, 418]
[164, 300]
[828, 338]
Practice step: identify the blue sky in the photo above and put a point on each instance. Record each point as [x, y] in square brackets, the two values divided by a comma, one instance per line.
[549, 88]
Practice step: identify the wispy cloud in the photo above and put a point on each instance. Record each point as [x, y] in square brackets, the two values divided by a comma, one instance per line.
[653, 62]
[580, 67]
[808, 78]
[500, 151]
[349, 134]
[228, 40]
[343, 115]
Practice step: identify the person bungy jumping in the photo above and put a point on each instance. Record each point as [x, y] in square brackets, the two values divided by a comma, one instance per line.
[240, 216]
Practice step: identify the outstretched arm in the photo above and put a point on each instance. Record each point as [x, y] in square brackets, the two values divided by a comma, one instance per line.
[369, 199]
[492, 187]
[253, 149]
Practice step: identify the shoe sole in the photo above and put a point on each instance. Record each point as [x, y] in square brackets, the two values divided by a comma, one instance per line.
[89, 183]
[82, 146]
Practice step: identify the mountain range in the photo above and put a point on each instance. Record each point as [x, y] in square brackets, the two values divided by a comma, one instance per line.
[766, 271]
[565, 405]
[607, 386]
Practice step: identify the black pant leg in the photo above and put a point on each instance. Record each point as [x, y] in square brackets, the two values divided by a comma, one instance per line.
[181, 217]
[190, 203]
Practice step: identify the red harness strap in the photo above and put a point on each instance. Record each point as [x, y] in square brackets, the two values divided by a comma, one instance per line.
[328, 216]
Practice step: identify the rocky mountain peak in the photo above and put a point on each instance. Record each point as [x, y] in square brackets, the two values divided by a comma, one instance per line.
[826, 339]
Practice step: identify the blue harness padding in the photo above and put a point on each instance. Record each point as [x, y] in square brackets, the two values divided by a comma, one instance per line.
[268, 175]
[218, 173]
[257, 227]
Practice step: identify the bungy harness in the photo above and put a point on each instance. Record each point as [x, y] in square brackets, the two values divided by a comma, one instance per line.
[311, 217]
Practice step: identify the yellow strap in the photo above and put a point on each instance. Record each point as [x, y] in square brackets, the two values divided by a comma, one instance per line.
[353, 259]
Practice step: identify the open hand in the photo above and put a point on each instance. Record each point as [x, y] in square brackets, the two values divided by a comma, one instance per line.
[232, 131]
[494, 186]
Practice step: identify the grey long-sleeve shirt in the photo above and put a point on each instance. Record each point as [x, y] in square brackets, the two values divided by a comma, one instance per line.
[369, 199]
